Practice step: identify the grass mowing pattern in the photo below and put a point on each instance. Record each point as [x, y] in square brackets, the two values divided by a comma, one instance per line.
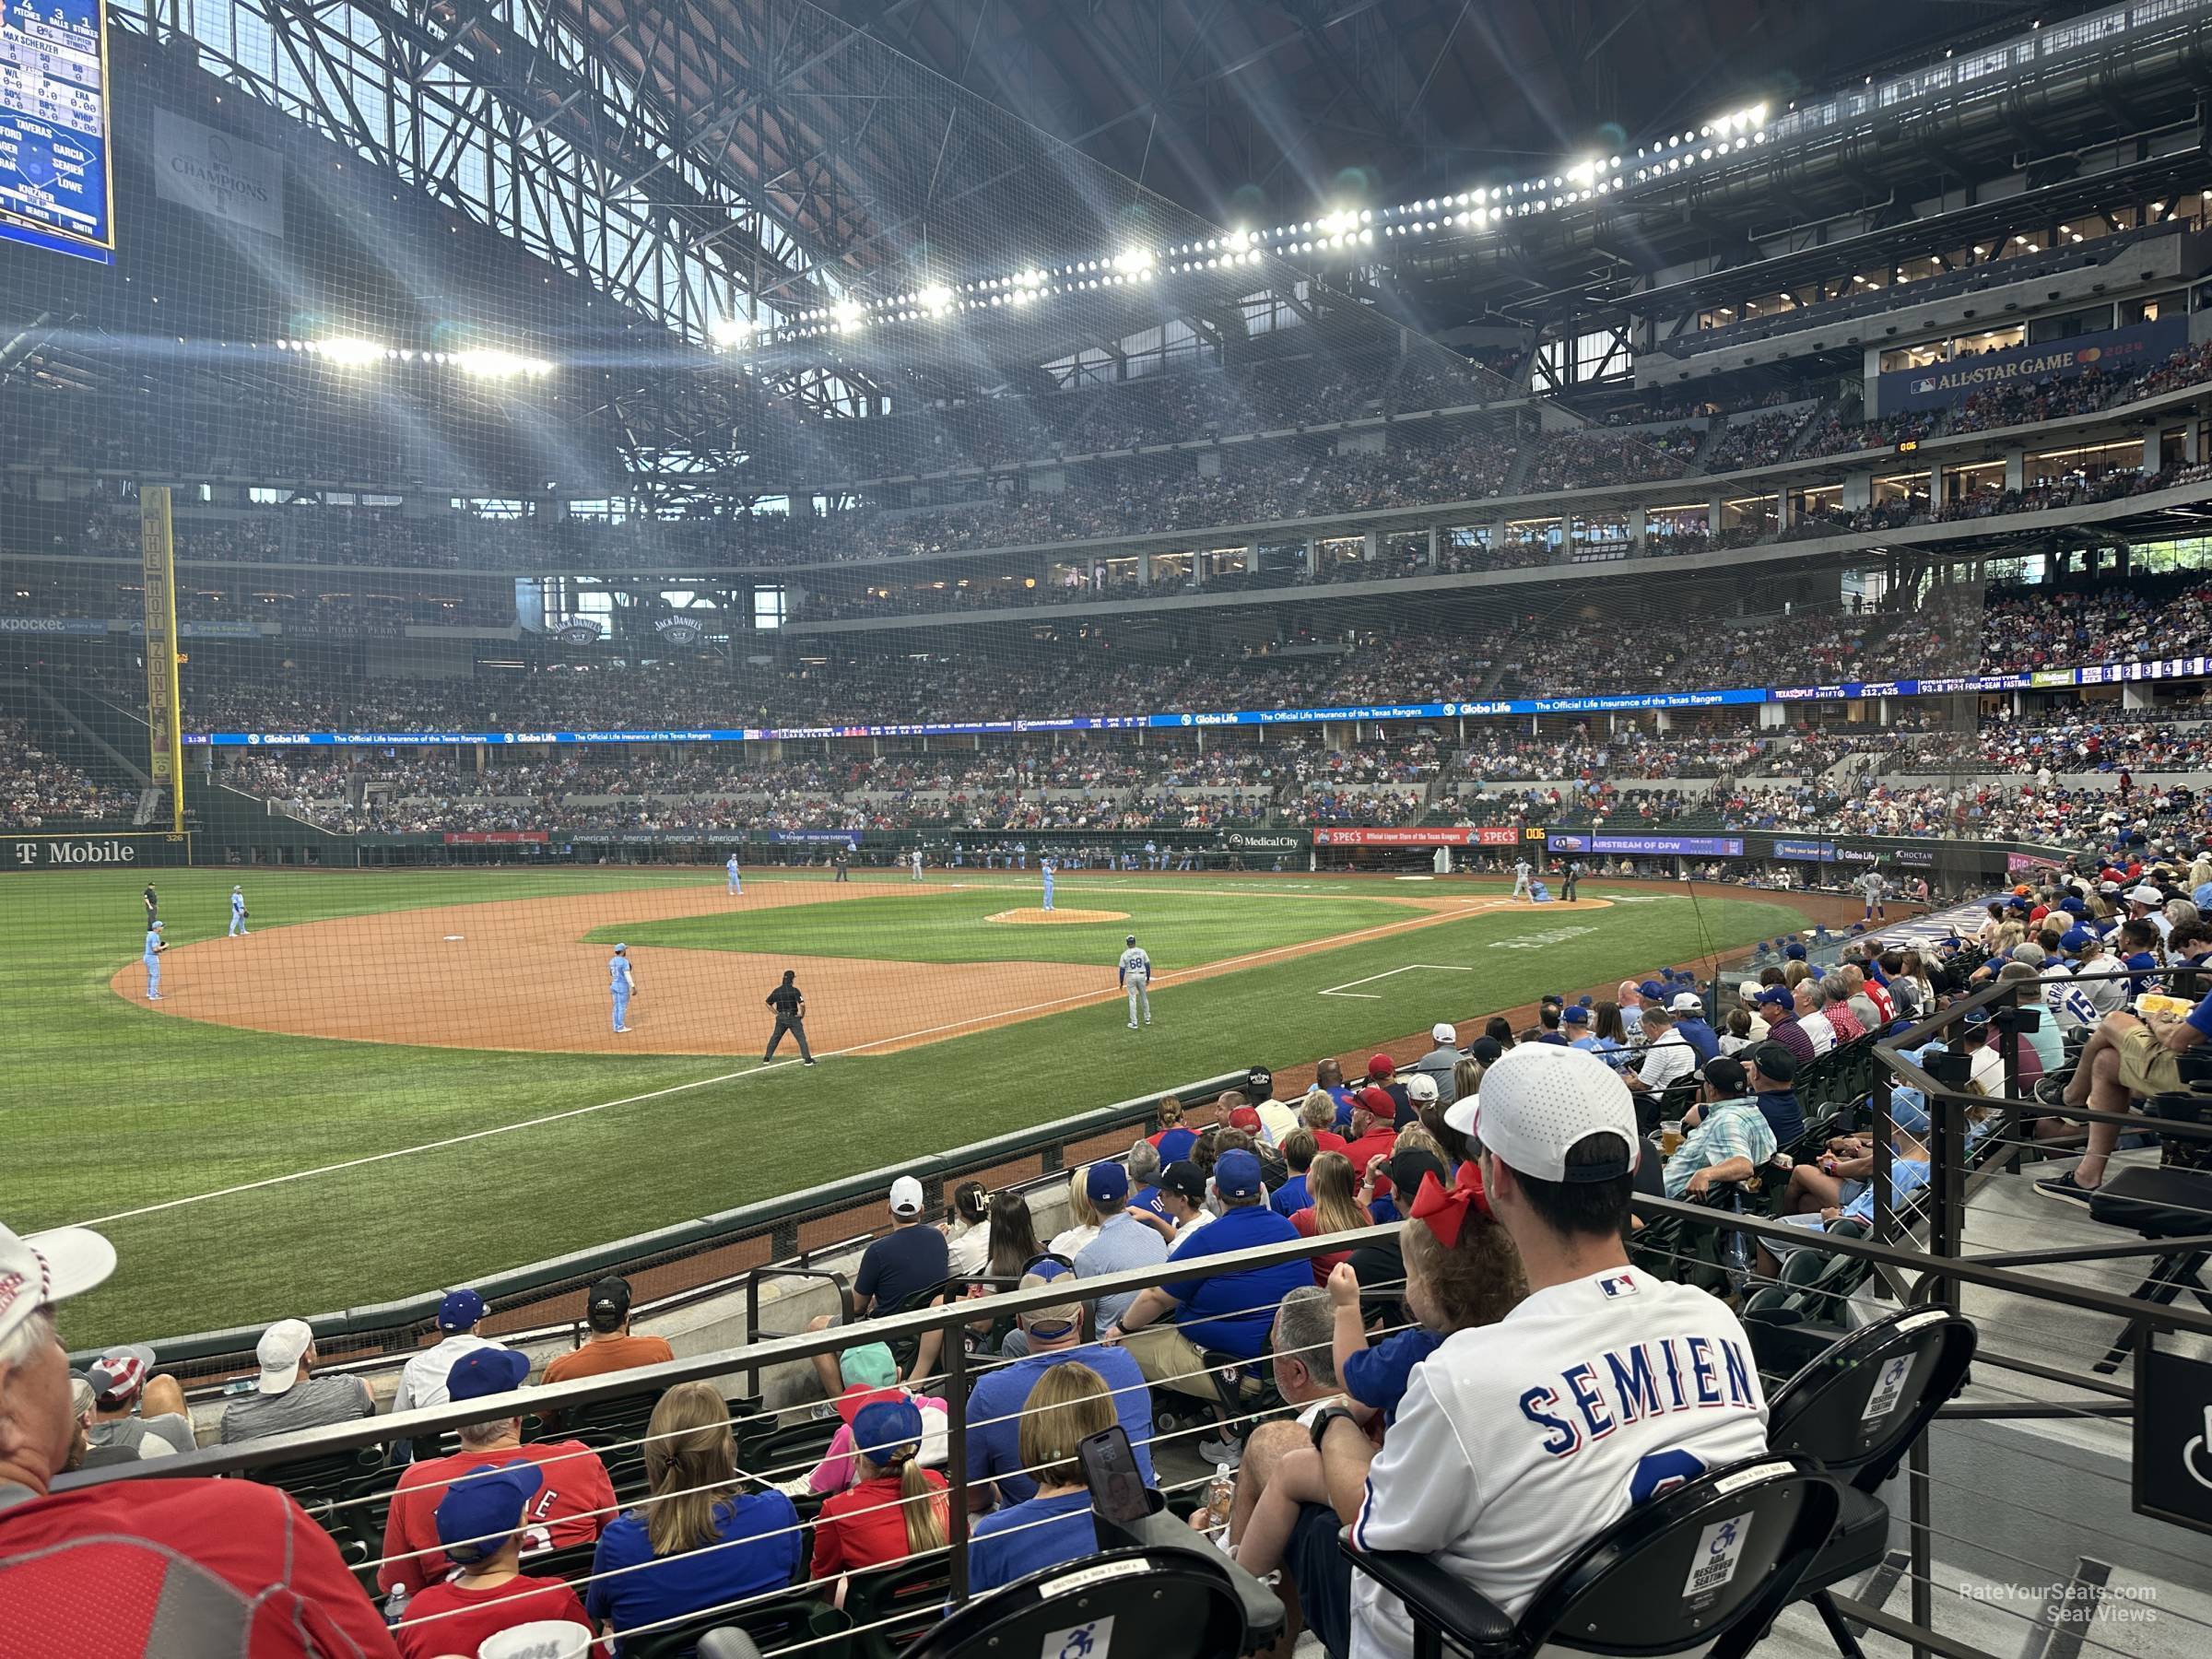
[111, 1107]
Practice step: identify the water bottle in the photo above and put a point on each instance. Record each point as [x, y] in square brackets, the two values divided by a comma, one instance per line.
[395, 1605]
[1221, 1494]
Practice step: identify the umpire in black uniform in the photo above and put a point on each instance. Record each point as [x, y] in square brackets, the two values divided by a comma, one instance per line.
[790, 1004]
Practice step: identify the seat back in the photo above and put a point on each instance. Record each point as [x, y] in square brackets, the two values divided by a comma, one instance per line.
[892, 1605]
[770, 1624]
[1856, 1407]
[1159, 1601]
[1680, 1570]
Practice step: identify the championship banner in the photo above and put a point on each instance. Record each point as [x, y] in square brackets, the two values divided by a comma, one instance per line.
[218, 174]
[1940, 383]
[164, 718]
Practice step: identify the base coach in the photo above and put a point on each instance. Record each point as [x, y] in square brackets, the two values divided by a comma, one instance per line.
[790, 1004]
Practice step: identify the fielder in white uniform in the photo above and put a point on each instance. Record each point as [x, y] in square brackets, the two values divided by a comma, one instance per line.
[736, 877]
[1137, 974]
[1873, 885]
[1517, 1442]
[914, 862]
[238, 912]
[1522, 873]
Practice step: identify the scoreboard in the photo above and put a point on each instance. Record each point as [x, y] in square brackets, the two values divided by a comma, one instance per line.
[54, 177]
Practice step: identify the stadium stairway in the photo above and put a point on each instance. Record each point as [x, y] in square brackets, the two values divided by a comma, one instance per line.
[89, 746]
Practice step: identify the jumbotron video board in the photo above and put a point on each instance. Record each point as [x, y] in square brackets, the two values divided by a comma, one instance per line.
[55, 176]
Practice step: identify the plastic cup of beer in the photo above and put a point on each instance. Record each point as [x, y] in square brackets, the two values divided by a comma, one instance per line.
[1670, 1136]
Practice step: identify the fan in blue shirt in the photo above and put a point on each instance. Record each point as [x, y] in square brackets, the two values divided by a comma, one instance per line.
[1229, 1312]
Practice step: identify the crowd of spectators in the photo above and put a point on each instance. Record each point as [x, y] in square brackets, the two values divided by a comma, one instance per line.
[39, 791]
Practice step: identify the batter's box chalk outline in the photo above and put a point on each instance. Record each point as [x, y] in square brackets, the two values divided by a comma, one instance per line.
[1345, 989]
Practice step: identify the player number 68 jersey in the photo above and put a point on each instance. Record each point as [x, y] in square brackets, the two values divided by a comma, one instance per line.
[1136, 964]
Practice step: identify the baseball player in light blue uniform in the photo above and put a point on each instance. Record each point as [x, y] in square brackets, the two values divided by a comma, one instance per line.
[154, 947]
[1050, 869]
[1021, 855]
[1137, 974]
[736, 878]
[238, 912]
[619, 984]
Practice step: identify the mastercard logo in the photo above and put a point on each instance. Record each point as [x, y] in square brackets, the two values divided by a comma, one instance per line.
[2090, 354]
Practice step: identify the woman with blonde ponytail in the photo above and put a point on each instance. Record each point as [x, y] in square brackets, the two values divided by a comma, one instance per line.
[896, 1508]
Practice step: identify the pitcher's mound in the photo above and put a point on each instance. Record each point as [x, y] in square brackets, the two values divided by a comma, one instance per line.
[1045, 917]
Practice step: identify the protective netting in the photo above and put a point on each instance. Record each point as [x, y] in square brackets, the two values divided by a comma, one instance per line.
[723, 441]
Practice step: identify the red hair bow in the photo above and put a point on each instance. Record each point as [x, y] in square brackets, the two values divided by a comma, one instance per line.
[1444, 1210]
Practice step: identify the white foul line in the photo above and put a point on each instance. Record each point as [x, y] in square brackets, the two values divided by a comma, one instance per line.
[1345, 989]
[1472, 907]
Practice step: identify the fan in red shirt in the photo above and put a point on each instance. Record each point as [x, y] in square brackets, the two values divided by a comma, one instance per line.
[573, 1503]
[143, 1568]
[896, 1508]
[480, 1524]
[1374, 1128]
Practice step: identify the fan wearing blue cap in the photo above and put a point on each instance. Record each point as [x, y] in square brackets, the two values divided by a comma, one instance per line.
[482, 1526]
[422, 1379]
[574, 1503]
[1169, 1328]
[895, 1508]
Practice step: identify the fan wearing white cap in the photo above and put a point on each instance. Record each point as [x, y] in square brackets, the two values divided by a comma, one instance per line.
[913, 1258]
[2147, 901]
[288, 1396]
[1440, 1061]
[140, 1569]
[1516, 1442]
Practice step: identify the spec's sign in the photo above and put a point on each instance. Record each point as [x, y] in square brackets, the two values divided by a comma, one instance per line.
[90, 852]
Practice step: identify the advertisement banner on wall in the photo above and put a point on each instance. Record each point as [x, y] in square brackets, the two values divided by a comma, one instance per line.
[1695, 846]
[1941, 383]
[1804, 852]
[1415, 836]
[2016, 862]
[1264, 841]
[494, 837]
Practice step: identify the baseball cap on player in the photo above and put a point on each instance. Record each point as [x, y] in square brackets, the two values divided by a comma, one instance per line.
[118, 1376]
[460, 1311]
[1541, 1101]
[1130, 940]
[280, 1351]
[906, 1196]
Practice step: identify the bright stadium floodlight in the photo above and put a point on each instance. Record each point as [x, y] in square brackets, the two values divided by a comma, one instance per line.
[349, 351]
[730, 333]
[491, 363]
[848, 314]
[937, 301]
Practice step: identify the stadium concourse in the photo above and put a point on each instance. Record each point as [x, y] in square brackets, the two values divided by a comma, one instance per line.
[927, 831]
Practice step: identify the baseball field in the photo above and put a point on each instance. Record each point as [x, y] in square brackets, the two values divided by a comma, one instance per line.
[402, 1081]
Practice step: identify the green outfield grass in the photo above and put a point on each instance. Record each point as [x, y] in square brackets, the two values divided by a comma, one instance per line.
[111, 1108]
[1184, 922]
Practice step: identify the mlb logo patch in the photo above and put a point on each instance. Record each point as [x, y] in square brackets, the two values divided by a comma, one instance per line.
[1617, 1285]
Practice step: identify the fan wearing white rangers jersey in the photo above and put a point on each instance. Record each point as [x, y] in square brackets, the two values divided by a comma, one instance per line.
[1135, 975]
[1517, 1442]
